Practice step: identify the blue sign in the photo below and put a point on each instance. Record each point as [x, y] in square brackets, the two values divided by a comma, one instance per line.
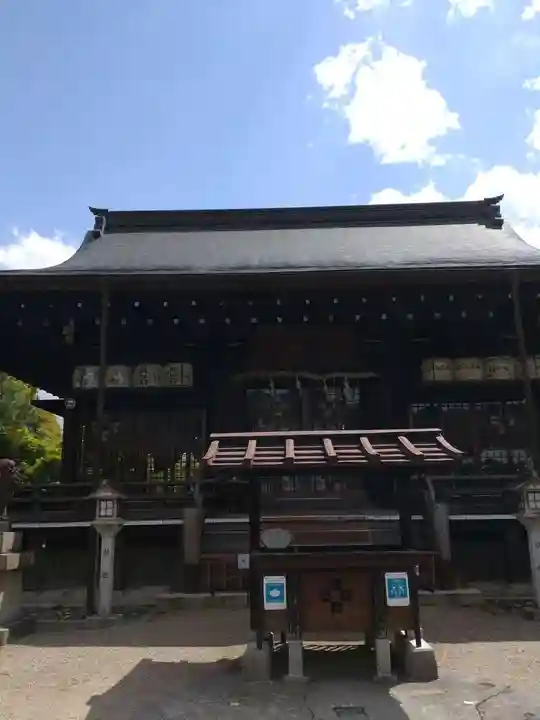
[397, 589]
[275, 592]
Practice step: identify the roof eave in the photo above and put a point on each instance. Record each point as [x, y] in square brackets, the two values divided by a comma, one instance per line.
[43, 280]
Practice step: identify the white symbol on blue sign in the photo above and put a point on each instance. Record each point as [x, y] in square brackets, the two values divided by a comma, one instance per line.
[397, 589]
[275, 592]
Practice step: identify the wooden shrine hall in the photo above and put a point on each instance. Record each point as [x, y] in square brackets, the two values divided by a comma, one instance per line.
[169, 334]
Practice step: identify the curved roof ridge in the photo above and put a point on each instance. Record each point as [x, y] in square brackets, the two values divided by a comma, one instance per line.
[484, 212]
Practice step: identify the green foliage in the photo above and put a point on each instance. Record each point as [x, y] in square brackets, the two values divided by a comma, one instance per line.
[28, 435]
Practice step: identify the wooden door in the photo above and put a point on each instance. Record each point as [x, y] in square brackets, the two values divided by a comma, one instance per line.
[338, 601]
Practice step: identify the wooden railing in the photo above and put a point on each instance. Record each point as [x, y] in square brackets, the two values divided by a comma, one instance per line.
[69, 502]
[482, 494]
[157, 500]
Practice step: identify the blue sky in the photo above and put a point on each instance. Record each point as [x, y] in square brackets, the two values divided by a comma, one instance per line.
[196, 104]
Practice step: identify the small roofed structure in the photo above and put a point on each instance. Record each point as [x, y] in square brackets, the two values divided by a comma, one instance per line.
[302, 586]
[310, 450]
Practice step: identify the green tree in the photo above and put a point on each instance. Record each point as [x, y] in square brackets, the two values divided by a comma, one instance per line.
[28, 434]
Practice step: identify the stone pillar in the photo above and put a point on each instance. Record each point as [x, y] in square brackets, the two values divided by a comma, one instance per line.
[107, 530]
[440, 520]
[12, 563]
[532, 525]
[441, 525]
[192, 537]
[296, 660]
[383, 657]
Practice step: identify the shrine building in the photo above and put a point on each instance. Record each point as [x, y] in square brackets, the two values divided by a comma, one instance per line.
[168, 327]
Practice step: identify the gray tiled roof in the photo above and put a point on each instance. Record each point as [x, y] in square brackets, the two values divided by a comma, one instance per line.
[371, 238]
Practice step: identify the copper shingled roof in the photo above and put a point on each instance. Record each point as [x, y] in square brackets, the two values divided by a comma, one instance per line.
[237, 243]
[317, 449]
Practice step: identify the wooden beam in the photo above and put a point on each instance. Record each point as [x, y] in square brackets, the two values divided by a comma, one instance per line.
[409, 450]
[326, 433]
[329, 450]
[210, 455]
[249, 455]
[368, 450]
[289, 451]
[447, 447]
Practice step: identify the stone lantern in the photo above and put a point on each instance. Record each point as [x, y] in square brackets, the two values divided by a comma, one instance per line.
[108, 524]
[13, 560]
[529, 516]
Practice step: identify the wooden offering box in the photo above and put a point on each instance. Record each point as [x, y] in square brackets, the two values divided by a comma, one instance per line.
[299, 585]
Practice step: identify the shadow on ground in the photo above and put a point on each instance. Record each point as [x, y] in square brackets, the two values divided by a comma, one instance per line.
[189, 691]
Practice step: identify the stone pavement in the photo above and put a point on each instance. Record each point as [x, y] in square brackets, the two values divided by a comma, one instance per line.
[185, 666]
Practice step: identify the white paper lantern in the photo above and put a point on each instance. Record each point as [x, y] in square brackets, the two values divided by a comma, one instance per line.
[500, 368]
[469, 369]
[90, 377]
[148, 375]
[118, 376]
[77, 377]
[533, 367]
[437, 370]
[179, 375]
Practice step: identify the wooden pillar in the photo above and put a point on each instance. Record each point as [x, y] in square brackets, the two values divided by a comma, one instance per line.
[397, 379]
[513, 548]
[192, 530]
[378, 607]
[93, 543]
[177, 568]
[532, 410]
[100, 400]
[255, 579]
[293, 601]
[71, 436]
[415, 605]
[404, 501]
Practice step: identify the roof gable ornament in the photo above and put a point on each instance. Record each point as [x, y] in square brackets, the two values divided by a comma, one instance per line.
[100, 222]
[494, 218]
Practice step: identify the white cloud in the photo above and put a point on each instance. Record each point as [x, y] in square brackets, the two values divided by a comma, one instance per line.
[352, 7]
[533, 139]
[32, 250]
[468, 8]
[532, 84]
[389, 196]
[520, 205]
[532, 9]
[386, 101]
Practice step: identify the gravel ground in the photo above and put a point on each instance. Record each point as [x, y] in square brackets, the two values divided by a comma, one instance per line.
[501, 649]
[183, 666]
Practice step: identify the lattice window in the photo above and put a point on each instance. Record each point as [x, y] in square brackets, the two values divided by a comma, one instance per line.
[313, 405]
[493, 435]
[151, 447]
[533, 500]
